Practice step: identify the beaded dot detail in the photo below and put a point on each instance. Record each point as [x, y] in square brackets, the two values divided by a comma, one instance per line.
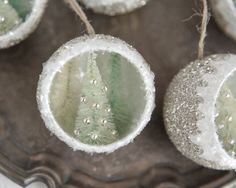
[96, 93]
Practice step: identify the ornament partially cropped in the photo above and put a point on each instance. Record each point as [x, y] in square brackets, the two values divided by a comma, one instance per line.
[96, 93]
[113, 7]
[200, 111]
[18, 18]
[225, 15]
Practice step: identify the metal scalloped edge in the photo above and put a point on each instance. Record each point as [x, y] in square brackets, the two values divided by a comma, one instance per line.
[53, 179]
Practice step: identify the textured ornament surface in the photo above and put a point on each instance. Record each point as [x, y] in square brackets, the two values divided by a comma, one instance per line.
[190, 110]
[18, 19]
[113, 7]
[225, 15]
[96, 93]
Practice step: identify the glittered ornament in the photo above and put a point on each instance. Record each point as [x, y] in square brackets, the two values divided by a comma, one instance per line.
[225, 14]
[18, 18]
[113, 7]
[96, 93]
[200, 111]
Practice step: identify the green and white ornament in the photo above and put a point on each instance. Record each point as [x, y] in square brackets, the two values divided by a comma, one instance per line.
[96, 93]
[18, 18]
[200, 111]
[113, 7]
[225, 14]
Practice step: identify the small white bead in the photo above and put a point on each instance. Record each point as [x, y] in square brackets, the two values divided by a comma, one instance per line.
[230, 119]
[104, 89]
[231, 141]
[94, 136]
[94, 82]
[83, 99]
[221, 126]
[76, 132]
[2, 19]
[86, 121]
[104, 121]
[108, 110]
[95, 105]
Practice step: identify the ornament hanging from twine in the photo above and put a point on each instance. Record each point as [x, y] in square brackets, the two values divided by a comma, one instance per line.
[114, 7]
[225, 15]
[96, 93]
[199, 109]
[18, 19]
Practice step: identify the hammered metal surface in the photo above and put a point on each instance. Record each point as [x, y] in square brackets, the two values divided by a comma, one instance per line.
[28, 151]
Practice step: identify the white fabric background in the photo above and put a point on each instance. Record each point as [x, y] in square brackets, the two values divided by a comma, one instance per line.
[6, 183]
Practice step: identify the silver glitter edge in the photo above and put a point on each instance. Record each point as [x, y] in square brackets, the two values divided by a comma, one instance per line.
[225, 16]
[26, 28]
[182, 114]
[74, 48]
[114, 7]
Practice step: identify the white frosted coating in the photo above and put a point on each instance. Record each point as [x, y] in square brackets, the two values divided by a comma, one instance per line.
[74, 49]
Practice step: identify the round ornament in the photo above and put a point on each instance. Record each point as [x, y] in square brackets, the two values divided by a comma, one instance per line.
[96, 93]
[113, 7]
[225, 14]
[200, 111]
[18, 18]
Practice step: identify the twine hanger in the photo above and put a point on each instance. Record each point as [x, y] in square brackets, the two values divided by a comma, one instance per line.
[203, 29]
[79, 11]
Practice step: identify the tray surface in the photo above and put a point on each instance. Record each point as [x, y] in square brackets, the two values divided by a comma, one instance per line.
[27, 150]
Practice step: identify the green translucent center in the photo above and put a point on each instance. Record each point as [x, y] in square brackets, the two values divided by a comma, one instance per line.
[13, 13]
[98, 97]
[226, 115]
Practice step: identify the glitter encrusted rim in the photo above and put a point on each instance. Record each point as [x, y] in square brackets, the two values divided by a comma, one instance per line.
[189, 110]
[225, 14]
[113, 7]
[26, 28]
[82, 45]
